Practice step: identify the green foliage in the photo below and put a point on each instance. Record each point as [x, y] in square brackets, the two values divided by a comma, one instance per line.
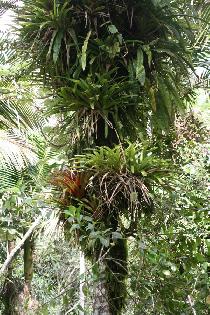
[88, 231]
[168, 269]
[169, 265]
[134, 158]
[91, 98]
[170, 257]
[150, 45]
[56, 277]
[120, 72]
[201, 46]
[137, 160]
[18, 121]
[96, 240]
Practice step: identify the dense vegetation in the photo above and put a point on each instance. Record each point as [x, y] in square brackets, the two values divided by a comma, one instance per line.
[102, 157]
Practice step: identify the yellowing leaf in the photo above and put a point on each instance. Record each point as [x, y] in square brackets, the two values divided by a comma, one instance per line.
[51, 44]
[167, 273]
[152, 99]
[134, 196]
[208, 299]
[84, 50]
[140, 71]
[144, 173]
[57, 46]
[112, 29]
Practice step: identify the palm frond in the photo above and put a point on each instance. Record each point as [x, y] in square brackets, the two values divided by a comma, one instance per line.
[9, 176]
[7, 5]
[15, 151]
[202, 43]
[17, 115]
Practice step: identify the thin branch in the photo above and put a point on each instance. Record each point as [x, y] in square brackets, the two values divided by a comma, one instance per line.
[19, 245]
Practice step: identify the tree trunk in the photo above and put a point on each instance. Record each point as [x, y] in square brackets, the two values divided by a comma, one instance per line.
[28, 264]
[9, 292]
[100, 296]
[110, 291]
[26, 302]
[82, 274]
[17, 248]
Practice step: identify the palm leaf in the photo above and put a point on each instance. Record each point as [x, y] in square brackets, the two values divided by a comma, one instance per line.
[7, 5]
[15, 151]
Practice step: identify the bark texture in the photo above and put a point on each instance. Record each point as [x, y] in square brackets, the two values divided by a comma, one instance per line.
[28, 263]
[10, 288]
[110, 291]
[100, 298]
[16, 249]
[27, 304]
[81, 293]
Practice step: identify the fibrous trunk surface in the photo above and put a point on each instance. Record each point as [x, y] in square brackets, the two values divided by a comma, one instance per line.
[101, 299]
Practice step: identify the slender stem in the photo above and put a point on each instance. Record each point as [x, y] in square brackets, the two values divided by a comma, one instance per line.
[82, 273]
[19, 245]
